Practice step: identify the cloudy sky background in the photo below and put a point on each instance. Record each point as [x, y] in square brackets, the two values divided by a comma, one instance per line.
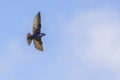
[82, 41]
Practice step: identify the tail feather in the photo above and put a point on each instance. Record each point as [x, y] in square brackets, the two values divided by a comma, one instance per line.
[29, 38]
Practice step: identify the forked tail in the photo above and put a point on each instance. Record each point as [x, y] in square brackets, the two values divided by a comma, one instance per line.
[29, 38]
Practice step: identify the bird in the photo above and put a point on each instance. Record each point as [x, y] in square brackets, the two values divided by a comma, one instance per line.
[36, 33]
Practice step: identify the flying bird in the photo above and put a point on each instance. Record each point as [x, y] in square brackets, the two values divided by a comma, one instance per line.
[37, 35]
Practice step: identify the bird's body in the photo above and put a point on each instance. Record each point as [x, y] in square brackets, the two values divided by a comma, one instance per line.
[37, 35]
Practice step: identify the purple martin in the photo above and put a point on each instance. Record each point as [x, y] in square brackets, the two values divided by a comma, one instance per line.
[37, 35]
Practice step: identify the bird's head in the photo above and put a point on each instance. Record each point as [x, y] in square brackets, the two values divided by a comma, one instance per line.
[43, 34]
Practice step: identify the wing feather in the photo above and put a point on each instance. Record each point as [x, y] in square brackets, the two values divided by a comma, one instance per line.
[38, 44]
[37, 23]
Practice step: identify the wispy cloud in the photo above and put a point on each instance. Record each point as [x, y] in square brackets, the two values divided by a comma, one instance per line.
[93, 40]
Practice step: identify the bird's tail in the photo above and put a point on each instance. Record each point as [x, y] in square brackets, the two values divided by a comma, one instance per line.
[29, 38]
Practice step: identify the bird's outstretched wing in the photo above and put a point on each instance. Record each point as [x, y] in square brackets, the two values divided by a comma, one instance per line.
[38, 44]
[37, 24]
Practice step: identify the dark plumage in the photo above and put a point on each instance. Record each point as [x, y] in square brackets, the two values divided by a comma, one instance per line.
[37, 35]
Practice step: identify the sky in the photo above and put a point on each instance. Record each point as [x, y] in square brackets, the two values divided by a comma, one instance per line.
[82, 40]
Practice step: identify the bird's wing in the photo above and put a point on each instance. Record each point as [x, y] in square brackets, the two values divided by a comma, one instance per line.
[37, 24]
[38, 44]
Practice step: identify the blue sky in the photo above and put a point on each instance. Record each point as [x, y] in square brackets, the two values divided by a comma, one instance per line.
[82, 41]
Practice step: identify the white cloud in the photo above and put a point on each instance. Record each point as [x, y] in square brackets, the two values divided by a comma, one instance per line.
[104, 36]
[93, 39]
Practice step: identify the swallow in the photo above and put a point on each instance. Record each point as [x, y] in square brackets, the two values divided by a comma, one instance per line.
[36, 33]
